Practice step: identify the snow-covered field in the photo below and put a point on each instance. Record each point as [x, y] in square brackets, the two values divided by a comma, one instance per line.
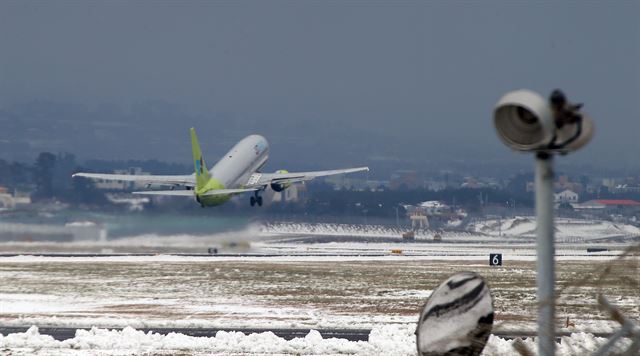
[567, 230]
[360, 282]
[515, 229]
[364, 231]
[384, 293]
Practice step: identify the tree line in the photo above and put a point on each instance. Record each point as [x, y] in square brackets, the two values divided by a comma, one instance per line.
[48, 178]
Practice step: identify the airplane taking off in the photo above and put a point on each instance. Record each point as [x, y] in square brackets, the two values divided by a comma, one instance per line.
[236, 173]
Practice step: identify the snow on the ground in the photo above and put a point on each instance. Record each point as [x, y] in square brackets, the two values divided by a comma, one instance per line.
[478, 255]
[392, 333]
[576, 344]
[390, 339]
[24, 303]
[491, 230]
[355, 230]
[249, 233]
[566, 229]
[243, 321]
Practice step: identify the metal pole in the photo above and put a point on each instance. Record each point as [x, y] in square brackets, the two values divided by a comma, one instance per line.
[546, 253]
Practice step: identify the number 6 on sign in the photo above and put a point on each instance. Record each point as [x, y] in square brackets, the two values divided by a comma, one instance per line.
[495, 259]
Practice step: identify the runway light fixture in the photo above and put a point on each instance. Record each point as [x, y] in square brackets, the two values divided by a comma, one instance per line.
[526, 122]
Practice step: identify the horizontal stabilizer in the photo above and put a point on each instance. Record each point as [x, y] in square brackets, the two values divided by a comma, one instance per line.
[264, 179]
[177, 193]
[228, 191]
[190, 193]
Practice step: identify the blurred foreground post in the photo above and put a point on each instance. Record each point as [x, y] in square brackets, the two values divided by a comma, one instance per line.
[526, 122]
[546, 252]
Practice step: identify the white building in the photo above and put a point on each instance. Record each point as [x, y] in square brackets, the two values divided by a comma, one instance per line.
[566, 196]
[10, 201]
[433, 207]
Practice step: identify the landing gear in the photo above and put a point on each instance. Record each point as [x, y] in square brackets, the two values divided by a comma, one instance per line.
[256, 200]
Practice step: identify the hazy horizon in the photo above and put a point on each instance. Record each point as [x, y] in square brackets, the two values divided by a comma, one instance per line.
[329, 84]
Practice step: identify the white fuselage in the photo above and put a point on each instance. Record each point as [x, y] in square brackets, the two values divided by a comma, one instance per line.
[245, 158]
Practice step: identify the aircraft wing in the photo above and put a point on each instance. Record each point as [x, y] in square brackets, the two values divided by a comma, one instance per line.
[190, 193]
[184, 180]
[263, 179]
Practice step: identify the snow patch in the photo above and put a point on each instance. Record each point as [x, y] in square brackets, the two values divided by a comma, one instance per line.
[569, 230]
[390, 340]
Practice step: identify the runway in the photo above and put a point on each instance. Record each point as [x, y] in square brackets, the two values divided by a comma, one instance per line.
[582, 254]
[195, 254]
[305, 292]
[63, 333]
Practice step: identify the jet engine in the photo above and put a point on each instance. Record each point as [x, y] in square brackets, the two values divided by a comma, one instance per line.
[278, 187]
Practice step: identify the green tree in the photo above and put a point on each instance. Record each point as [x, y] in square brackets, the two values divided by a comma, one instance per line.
[43, 175]
[84, 191]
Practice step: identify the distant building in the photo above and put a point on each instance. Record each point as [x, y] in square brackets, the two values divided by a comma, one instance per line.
[564, 183]
[609, 206]
[609, 183]
[436, 211]
[21, 198]
[625, 188]
[566, 196]
[590, 206]
[617, 203]
[405, 180]
[6, 200]
[10, 201]
[470, 182]
[435, 185]
[622, 186]
[119, 184]
[435, 208]
[561, 184]
[432, 207]
[477, 183]
[343, 182]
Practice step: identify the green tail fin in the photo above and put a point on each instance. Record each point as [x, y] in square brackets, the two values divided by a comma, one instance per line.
[202, 173]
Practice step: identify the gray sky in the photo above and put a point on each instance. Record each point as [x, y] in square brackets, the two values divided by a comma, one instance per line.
[391, 78]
